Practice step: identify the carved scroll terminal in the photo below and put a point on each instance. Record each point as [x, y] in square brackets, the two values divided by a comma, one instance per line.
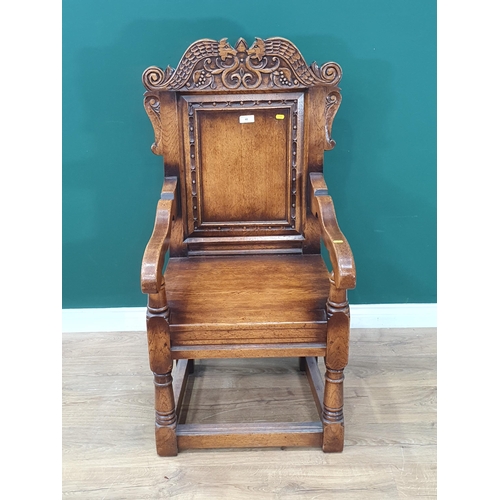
[152, 107]
[333, 100]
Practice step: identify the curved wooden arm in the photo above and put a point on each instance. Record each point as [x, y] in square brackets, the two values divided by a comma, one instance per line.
[344, 270]
[156, 249]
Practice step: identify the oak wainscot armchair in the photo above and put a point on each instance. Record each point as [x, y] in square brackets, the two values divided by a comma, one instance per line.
[242, 132]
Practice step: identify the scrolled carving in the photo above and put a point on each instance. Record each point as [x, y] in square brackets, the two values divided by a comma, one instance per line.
[271, 63]
[155, 77]
[329, 73]
[333, 100]
[152, 107]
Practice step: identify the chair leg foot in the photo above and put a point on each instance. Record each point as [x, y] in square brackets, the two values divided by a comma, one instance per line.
[166, 442]
[333, 438]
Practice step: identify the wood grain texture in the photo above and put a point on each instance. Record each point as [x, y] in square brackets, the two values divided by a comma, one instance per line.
[390, 434]
[221, 293]
[254, 153]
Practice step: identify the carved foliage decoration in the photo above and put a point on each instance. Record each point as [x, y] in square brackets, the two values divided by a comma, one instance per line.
[274, 63]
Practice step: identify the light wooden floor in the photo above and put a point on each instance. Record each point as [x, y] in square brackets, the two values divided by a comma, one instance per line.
[390, 418]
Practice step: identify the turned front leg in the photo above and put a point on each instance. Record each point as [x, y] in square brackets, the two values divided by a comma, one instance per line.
[166, 420]
[160, 360]
[337, 352]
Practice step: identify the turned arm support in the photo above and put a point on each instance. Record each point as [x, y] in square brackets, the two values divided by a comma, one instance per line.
[344, 270]
[156, 249]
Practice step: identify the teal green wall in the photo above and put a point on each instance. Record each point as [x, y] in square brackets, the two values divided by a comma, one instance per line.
[382, 173]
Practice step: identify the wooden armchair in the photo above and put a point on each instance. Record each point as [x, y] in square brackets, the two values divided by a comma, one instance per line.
[244, 203]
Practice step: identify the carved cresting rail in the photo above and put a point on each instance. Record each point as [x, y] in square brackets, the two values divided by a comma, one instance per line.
[210, 65]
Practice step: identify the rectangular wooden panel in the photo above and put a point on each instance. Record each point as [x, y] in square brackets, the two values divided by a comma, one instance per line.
[243, 171]
[244, 166]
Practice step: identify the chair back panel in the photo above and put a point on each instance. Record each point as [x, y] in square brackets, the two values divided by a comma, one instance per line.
[250, 124]
[242, 167]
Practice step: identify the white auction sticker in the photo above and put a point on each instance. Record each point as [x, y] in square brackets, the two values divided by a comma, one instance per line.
[247, 119]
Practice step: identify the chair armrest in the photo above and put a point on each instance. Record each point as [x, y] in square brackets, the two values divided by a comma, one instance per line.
[344, 270]
[156, 249]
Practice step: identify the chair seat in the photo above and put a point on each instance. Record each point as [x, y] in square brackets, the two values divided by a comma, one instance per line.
[247, 299]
